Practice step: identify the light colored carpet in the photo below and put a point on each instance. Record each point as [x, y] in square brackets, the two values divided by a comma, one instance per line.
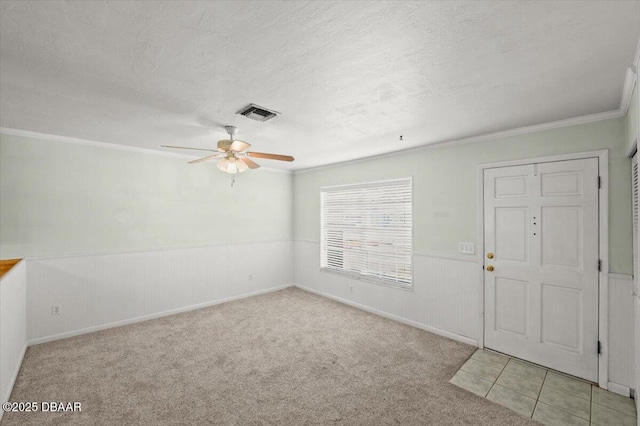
[283, 358]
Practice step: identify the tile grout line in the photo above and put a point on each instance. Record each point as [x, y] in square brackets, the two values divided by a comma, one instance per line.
[528, 364]
[591, 403]
[562, 409]
[476, 375]
[616, 410]
[520, 376]
[539, 392]
[559, 408]
[537, 399]
[498, 376]
[571, 393]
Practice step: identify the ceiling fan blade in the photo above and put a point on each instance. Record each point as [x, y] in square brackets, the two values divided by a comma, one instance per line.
[210, 157]
[239, 146]
[252, 164]
[270, 156]
[186, 147]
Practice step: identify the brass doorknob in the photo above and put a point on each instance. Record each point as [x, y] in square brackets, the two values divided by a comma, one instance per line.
[489, 255]
[490, 268]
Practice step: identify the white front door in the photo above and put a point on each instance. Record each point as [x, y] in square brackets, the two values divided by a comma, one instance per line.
[541, 264]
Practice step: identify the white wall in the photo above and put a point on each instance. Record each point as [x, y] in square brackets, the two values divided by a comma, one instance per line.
[447, 285]
[13, 326]
[444, 299]
[632, 134]
[444, 182]
[60, 198]
[637, 351]
[116, 236]
[99, 291]
[621, 330]
[632, 125]
[631, 121]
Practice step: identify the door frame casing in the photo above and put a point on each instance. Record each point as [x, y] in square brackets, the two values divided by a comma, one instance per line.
[603, 245]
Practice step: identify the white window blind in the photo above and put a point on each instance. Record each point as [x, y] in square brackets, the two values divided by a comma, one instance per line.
[366, 230]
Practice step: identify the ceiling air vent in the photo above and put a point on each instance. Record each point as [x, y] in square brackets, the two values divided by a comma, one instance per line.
[257, 113]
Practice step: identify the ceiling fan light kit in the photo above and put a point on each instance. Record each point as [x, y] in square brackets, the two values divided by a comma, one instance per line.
[232, 165]
[233, 154]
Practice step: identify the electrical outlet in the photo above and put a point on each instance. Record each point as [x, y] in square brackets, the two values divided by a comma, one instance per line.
[466, 248]
[250, 277]
[56, 309]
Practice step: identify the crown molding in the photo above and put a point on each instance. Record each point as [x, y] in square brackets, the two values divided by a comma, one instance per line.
[584, 119]
[452, 142]
[630, 80]
[107, 145]
[88, 142]
[627, 90]
[630, 83]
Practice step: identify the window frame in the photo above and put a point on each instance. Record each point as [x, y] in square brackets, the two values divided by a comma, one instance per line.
[358, 275]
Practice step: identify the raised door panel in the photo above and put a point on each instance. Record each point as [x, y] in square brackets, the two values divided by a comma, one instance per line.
[560, 184]
[562, 317]
[511, 233]
[511, 306]
[510, 186]
[561, 236]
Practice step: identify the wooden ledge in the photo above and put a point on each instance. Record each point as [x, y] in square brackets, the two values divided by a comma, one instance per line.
[6, 265]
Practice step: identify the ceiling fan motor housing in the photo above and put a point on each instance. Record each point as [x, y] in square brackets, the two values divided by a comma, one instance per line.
[224, 145]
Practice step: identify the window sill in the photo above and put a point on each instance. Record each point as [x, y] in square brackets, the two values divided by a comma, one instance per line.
[373, 280]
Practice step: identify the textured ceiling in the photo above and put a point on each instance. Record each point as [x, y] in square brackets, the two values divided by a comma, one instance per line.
[348, 77]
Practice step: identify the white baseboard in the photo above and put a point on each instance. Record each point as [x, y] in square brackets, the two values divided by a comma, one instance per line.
[67, 334]
[619, 389]
[14, 377]
[453, 336]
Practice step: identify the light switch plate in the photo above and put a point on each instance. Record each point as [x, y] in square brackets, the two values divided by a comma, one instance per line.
[466, 248]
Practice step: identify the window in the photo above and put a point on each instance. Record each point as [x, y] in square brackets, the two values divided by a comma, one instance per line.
[366, 231]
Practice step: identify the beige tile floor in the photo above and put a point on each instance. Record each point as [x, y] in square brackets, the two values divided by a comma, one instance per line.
[545, 395]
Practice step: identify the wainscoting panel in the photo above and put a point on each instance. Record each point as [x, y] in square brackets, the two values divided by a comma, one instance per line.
[621, 330]
[97, 291]
[444, 297]
[13, 326]
[637, 351]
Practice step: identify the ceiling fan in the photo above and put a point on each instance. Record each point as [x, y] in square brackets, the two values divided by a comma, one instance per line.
[233, 153]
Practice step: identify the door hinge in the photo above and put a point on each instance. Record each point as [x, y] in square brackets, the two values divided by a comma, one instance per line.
[599, 347]
[599, 265]
[599, 182]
